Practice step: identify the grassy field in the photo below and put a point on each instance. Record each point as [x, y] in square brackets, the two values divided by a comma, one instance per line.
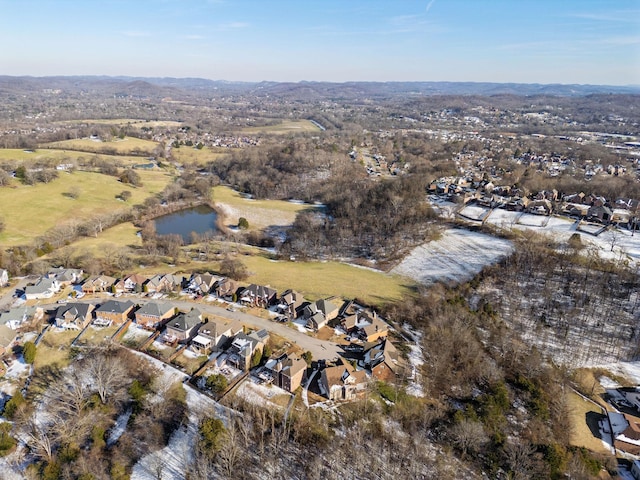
[582, 435]
[97, 336]
[193, 155]
[118, 236]
[62, 156]
[29, 211]
[259, 213]
[323, 279]
[54, 349]
[136, 122]
[123, 146]
[286, 126]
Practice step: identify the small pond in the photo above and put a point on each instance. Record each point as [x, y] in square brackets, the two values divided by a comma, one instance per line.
[200, 219]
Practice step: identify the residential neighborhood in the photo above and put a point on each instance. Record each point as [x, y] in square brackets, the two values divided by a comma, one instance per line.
[157, 308]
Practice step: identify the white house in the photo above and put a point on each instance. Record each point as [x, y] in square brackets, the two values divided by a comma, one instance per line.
[44, 288]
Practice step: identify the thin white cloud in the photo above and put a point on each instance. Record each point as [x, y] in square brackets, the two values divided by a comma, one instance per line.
[233, 25]
[429, 5]
[134, 33]
[621, 16]
[194, 37]
[622, 40]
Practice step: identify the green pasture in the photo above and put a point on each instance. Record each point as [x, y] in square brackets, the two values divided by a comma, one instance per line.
[324, 279]
[284, 127]
[186, 154]
[122, 235]
[29, 211]
[124, 146]
[55, 156]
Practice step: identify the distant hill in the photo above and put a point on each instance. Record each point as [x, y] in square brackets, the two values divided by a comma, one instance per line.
[154, 87]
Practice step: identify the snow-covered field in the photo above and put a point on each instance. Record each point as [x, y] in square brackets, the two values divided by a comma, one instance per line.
[455, 257]
[625, 243]
[459, 254]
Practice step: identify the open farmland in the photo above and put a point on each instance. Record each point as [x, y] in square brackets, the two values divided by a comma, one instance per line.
[125, 146]
[29, 211]
[287, 126]
[259, 213]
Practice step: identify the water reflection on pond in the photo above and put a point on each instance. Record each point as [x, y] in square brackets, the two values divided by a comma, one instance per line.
[200, 219]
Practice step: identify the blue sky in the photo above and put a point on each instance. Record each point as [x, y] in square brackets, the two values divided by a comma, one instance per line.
[524, 41]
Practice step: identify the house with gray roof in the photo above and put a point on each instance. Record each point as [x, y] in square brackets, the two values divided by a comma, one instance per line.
[113, 311]
[152, 314]
[73, 316]
[44, 288]
[183, 326]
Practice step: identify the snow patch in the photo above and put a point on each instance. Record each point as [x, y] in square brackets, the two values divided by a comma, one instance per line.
[457, 256]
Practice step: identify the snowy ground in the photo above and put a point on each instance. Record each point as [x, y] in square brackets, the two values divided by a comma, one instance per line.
[416, 360]
[301, 325]
[457, 256]
[171, 462]
[628, 370]
[136, 333]
[625, 244]
[259, 394]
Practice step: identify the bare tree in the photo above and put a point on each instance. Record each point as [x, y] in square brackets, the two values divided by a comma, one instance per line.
[230, 454]
[469, 436]
[40, 438]
[108, 374]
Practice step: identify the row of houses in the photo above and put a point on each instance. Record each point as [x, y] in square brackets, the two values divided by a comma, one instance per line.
[591, 207]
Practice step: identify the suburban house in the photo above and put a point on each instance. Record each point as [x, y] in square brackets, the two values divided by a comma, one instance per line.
[213, 335]
[7, 339]
[66, 276]
[366, 326]
[244, 347]
[383, 360]
[181, 327]
[112, 311]
[4, 277]
[202, 283]
[14, 318]
[626, 432]
[287, 372]
[73, 316]
[226, 289]
[291, 304]
[130, 283]
[151, 314]
[101, 283]
[163, 283]
[319, 313]
[44, 288]
[153, 284]
[342, 381]
[258, 296]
